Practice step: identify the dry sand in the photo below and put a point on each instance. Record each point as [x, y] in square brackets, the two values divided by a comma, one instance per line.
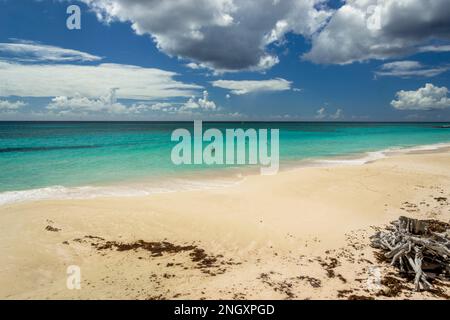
[301, 234]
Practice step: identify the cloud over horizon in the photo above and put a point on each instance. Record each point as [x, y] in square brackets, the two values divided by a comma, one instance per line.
[79, 105]
[429, 97]
[8, 106]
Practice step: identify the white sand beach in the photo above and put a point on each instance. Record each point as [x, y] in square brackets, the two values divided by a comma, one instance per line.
[300, 234]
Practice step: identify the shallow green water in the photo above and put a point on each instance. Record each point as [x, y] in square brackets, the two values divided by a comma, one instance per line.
[45, 154]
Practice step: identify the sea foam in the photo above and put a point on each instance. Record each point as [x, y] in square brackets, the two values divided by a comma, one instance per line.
[91, 192]
[368, 157]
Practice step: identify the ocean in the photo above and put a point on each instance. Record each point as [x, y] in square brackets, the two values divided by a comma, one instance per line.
[46, 160]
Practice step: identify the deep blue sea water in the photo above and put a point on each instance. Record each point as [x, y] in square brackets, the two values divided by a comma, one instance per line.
[35, 155]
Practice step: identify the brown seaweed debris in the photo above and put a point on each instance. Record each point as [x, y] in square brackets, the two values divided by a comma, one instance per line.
[52, 229]
[283, 287]
[202, 260]
[156, 249]
[315, 283]
[343, 293]
[394, 287]
[329, 268]
[156, 298]
[438, 290]
[199, 255]
[358, 297]
[349, 295]
[440, 199]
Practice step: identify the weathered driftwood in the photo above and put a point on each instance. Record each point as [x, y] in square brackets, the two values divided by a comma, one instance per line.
[420, 248]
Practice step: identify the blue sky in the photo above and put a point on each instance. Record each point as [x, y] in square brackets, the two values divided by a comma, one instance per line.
[230, 62]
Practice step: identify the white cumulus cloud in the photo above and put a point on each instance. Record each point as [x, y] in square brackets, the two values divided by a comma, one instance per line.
[225, 35]
[159, 107]
[107, 103]
[199, 104]
[322, 114]
[379, 29]
[6, 105]
[63, 105]
[337, 115]
[427, 98]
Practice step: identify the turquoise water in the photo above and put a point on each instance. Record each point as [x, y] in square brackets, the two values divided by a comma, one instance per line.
[71, 154]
